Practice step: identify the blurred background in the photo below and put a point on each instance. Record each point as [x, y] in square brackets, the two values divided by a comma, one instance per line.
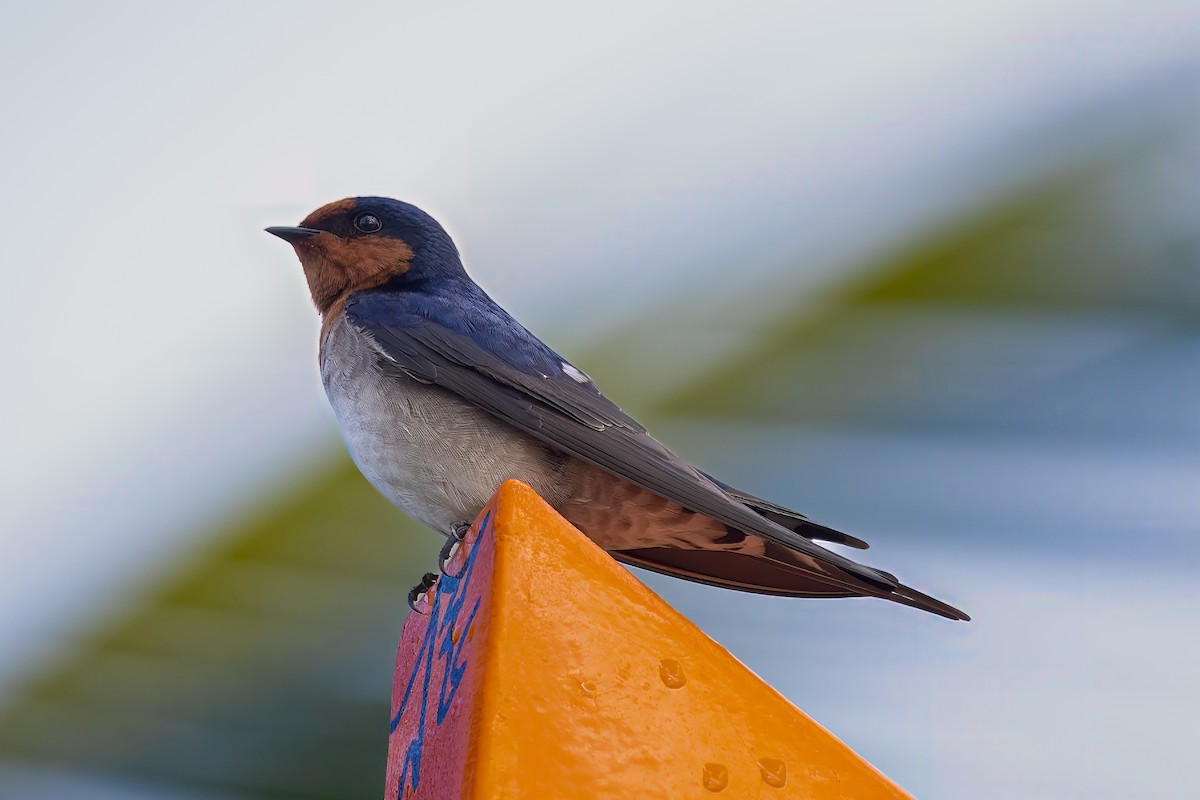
[929, 272]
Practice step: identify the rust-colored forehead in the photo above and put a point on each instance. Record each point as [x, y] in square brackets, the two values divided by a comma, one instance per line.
[328, 211]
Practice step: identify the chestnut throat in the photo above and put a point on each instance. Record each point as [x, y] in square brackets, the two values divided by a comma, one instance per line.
[335, 267]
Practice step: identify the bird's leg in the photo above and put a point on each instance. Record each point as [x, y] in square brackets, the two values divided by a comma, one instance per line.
[458, 532]
[421, 588]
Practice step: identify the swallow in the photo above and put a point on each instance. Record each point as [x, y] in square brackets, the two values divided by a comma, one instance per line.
[441, 396]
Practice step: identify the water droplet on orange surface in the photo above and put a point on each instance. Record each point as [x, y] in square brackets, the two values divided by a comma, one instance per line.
[716, 777]
[588, 688]
[774, 772]
[671, 672]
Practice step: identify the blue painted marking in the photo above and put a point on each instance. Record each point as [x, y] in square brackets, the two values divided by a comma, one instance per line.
[448, 603]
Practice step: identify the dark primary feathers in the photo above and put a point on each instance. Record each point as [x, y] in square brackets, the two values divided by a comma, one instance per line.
[453, 335]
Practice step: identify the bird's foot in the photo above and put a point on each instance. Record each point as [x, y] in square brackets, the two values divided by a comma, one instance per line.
[421, 588]
[458, 532]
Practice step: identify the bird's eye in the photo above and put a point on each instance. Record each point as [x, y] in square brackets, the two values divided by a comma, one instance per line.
[367, 223]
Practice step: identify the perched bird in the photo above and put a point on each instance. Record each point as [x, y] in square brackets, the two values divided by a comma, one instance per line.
[441, 396]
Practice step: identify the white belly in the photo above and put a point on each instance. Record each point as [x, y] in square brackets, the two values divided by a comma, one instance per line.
[433, 455]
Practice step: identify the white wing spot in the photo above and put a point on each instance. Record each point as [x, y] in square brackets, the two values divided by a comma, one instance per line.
[376, 346]
[575, 373]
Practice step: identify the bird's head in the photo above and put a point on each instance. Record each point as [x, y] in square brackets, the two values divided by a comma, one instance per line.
[365, 242]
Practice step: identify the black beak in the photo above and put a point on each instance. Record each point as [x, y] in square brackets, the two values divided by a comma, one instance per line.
[293, 235]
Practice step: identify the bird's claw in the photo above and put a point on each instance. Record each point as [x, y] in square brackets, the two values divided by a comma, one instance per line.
[458, 532]
[421, 588]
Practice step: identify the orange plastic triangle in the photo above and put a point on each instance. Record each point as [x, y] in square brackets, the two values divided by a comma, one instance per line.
[545, 670]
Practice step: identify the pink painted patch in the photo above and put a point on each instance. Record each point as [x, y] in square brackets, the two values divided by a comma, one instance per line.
[439, 666]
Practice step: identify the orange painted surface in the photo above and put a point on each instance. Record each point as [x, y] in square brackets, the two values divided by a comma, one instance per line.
[556, 674]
